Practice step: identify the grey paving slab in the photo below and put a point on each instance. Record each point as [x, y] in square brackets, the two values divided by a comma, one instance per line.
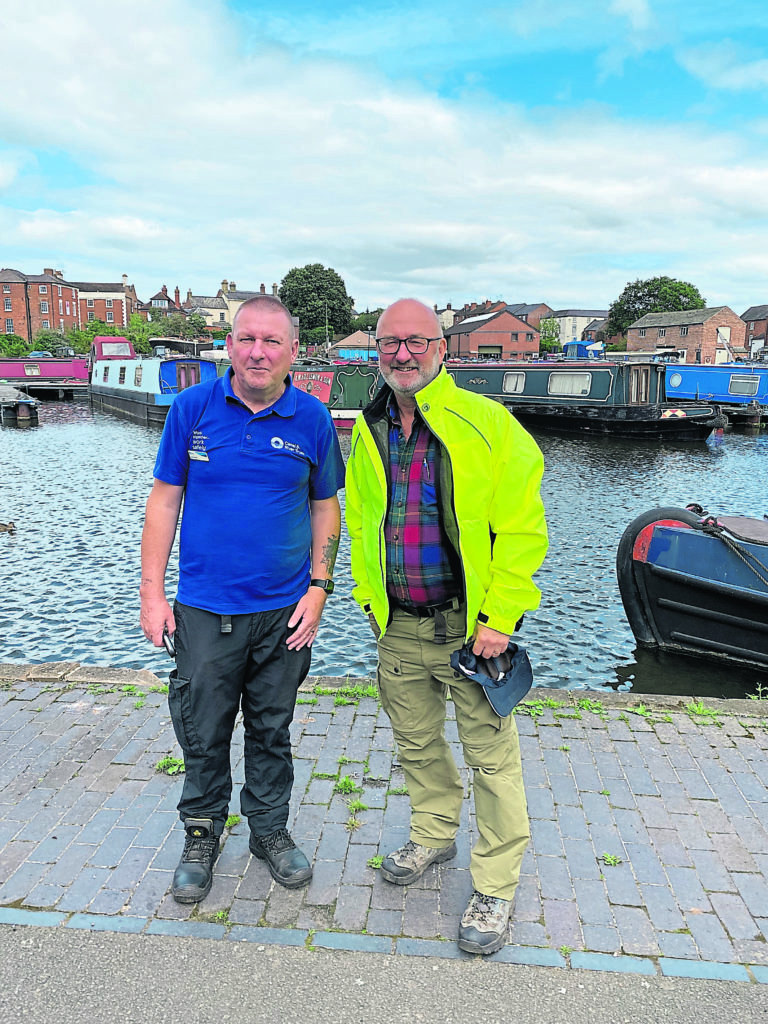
[88, 827]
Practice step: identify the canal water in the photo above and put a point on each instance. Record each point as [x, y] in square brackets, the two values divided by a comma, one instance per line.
[76, 485]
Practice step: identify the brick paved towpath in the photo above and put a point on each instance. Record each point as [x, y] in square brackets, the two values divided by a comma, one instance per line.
[649, 850]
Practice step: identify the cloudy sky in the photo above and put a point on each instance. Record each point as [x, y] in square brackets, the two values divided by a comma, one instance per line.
[525, 150]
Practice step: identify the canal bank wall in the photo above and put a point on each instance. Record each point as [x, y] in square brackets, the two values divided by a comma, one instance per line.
[649, 821]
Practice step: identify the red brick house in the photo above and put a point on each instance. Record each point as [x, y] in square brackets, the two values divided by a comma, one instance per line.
[714, 335]
[162, 305]
[756, 320]
[532, 313]
[112, 303]
[492, 336]
[37, 302]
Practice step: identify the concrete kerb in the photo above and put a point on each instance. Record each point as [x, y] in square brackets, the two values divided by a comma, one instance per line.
[73, 674]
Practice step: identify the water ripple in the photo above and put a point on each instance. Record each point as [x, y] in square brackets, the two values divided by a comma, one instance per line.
[76, 488]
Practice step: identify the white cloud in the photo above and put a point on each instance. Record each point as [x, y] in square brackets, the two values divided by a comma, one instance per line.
[726, 65]
[205, 160]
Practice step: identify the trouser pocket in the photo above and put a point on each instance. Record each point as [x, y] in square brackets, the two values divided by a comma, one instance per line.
[180, 707]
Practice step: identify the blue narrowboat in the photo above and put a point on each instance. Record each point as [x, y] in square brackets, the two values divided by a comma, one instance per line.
[740, 389]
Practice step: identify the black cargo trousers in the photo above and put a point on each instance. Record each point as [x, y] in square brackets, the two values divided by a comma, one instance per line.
[217, 674]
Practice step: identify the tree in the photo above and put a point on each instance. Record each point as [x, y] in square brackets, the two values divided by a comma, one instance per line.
[366, 321]
[549, 335]
[197, 322]
[317, 295]
[656, 295]
[48, 339]
[13, 345]
[81, 339]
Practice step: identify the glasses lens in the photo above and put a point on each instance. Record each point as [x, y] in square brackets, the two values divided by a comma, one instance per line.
[416, 345]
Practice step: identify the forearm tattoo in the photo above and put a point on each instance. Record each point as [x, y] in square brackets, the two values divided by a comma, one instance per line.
[328, 557]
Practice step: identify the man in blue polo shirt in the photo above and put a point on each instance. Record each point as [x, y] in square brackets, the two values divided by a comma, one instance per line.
[257, 465]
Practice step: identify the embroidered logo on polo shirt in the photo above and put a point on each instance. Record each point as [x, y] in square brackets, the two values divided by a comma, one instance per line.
[288, 446]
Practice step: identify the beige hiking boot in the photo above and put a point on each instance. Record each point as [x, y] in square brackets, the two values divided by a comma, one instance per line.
[405, 865]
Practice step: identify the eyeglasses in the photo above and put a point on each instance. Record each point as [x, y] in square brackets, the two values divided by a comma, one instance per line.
[416, 344]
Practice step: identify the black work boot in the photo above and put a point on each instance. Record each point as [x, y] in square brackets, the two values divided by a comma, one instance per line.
[193, 877]
[286, 863]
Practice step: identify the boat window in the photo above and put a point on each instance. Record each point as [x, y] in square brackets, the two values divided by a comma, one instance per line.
[741, 384]
[137, 376]
[106, 374]
[187, 375]
[31, 369]
[568, 383]
[514, 383]
[675, 380]
[121, 376]
[116, 348]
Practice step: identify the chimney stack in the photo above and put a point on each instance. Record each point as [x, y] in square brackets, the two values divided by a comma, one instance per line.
[176, 297]
[224, 286]
[48, 270]
[232, 286]
[274, 289]
[189, 296]
[125, 282]
[164, 290]
[263, 289]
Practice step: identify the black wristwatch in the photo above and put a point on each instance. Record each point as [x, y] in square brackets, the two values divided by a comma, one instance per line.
[327, 585]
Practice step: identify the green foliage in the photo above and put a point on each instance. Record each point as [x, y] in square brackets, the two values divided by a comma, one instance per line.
[48, 339]
[611, 860]
[347, 784]
[170, 765]
[375, 862]
[314, 292]
[549, 335]
[232, 820]
[655, 295]
[13, 345]
[365, 321]
[81, 339]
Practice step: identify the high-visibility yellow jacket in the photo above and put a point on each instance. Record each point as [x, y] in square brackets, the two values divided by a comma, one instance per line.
[489, 474]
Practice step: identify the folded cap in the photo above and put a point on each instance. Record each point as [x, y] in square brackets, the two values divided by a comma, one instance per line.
[505, 679]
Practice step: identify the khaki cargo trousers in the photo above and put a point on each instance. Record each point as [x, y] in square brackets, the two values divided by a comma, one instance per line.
[414, 675]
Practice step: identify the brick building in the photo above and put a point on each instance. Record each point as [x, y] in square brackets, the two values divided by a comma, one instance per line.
[37, 302]
[532, 313]
[492, 336]
[161, 305]
[756, 320]
[714, 335]
[112, 303]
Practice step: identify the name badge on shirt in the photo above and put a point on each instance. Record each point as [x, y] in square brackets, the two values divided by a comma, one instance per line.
[198, 456]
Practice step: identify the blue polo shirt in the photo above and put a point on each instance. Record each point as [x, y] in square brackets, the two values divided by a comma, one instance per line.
[248, 478]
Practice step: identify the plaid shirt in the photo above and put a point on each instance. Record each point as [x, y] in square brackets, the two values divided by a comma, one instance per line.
[418, 566]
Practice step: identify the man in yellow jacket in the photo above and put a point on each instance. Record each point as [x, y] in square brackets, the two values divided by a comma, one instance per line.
[447, 528]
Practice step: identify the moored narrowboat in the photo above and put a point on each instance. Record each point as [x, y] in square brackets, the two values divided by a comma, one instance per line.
[740, 389]
[695, 583]
[62, 374]
[141, 389]
[593, 397]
